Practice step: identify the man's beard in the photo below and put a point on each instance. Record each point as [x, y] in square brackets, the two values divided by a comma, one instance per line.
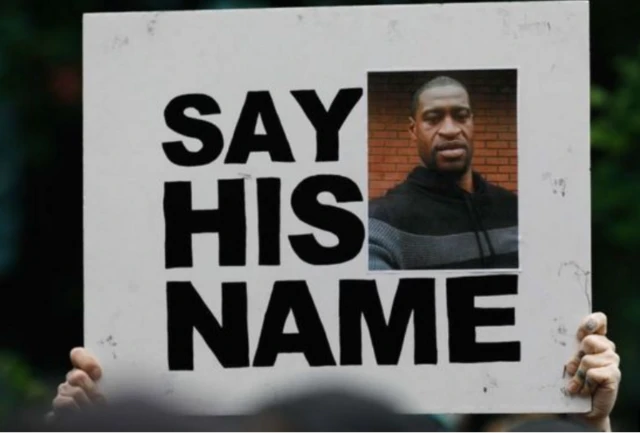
[455, 172]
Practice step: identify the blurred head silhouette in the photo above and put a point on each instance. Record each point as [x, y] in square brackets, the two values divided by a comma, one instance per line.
[337, 410]
[311, 410]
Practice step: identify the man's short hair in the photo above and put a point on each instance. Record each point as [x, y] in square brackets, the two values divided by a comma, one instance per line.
[439, 81]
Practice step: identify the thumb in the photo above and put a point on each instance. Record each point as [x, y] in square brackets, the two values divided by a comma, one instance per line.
[83, 360]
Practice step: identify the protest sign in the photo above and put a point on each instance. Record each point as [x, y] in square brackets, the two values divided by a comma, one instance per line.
[269, 202]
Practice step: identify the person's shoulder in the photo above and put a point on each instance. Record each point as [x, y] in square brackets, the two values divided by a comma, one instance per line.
[503, 201]
[393, 201]
[500, 192]
[378, 207]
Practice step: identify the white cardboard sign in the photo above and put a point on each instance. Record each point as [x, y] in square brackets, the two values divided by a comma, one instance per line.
[227, 167]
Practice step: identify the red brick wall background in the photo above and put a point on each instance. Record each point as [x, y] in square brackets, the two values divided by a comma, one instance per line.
[493, 101]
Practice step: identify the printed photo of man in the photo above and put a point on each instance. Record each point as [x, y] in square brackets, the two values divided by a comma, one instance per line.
[444, 214]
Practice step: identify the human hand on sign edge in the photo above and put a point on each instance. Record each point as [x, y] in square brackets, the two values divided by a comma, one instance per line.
[595, 370]
[80, 389]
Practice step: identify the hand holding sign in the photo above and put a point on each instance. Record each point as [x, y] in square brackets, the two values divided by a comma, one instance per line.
[80, 389]
[595, 370]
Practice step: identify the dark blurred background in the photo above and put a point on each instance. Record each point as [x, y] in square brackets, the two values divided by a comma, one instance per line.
[41, 185]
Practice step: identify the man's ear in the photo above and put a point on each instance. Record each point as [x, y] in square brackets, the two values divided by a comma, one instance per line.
[412, 129]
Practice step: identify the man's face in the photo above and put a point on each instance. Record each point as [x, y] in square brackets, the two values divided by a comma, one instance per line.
[442, 129]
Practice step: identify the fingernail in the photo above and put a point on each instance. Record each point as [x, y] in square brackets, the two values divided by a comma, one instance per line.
[588, 383]
[573, 386]
[564, 371]
[590, 325]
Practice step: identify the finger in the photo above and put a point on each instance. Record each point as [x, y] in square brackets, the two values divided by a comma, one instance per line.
[577, 382]
[592, 344]
[83, 360]
[595, 323]
[606, 381]
[588, 388]
[64, 403]
[571, 366]
[81, 379]
[605, 377]
[76, 393]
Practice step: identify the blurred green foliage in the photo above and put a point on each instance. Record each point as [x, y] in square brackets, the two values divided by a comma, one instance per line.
[19, 386]
[616, 178]
[615, 183]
